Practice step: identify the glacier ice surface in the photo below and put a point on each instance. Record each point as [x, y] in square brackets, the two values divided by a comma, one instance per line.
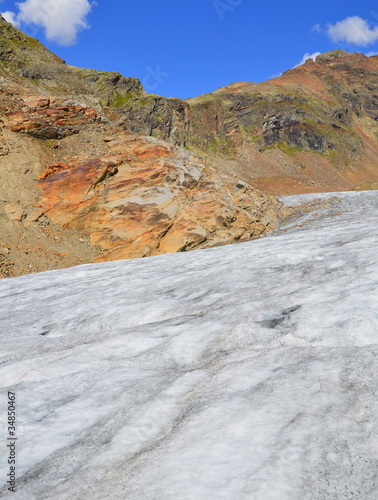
[241, 372]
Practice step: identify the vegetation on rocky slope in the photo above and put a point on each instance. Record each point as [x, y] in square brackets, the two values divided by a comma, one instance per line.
[313, 129]
[78, 185]
[328, 108]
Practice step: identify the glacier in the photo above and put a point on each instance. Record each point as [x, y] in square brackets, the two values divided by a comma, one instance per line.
[241, 372]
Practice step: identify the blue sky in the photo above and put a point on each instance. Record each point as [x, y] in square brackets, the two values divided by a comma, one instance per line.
[185, 48]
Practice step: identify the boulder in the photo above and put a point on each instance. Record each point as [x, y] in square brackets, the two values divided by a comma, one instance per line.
[49, 118]
[150, 197]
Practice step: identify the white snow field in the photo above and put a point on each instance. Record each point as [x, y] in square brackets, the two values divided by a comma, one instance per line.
[241, 372]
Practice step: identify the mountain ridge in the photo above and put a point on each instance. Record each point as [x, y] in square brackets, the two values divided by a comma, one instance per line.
[86, 173]
[320, 119]
[123, 155]
[235, 123]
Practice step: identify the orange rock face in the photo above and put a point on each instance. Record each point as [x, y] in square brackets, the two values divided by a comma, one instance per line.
[149, 197]
[49, 118]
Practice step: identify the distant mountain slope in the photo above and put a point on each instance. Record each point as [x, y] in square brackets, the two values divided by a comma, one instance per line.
[67, 130]
[76, 185]
[314, 128]
[26, 66]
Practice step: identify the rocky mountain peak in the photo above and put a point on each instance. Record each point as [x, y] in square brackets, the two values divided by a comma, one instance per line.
[72, 157]
[79, 183]
[332, 55]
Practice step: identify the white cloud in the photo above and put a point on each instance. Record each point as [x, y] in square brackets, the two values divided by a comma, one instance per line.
[308, 56]
[353, 30]
[304, 59]
[369, 54]
[61, 19]
[10, 17]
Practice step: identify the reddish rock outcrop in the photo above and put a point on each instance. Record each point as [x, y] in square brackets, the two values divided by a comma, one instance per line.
[150, 198]
[49, 117]
[97, 191]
